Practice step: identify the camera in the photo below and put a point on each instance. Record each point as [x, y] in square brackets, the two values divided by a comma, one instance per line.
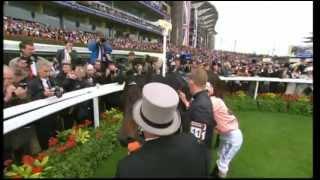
[58, 91]
[23, 85]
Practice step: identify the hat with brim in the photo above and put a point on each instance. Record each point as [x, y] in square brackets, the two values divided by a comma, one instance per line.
[157, 112]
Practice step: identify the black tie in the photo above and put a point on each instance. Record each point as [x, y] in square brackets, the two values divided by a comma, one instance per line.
[49, 84]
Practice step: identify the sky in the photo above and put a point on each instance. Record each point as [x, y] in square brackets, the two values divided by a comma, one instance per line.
[264, 27]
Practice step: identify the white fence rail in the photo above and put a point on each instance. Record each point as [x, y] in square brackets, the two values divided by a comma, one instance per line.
[9, 45]
[55, 105]
[258, 79]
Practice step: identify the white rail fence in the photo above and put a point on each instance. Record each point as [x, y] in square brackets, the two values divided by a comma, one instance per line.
[20, 115]
[258, 79]
[9, 45]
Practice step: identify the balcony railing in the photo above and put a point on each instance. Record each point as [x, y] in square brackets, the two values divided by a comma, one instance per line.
[111, 13]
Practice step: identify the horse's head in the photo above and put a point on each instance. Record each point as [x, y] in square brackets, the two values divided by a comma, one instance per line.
[129, 129]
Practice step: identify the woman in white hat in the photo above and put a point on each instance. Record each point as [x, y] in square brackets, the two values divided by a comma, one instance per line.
[164, 154]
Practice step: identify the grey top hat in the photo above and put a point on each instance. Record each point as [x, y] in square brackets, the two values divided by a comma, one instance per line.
[157, 111]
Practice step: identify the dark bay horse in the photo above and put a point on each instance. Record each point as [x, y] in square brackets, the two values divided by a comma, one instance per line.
[132, 92]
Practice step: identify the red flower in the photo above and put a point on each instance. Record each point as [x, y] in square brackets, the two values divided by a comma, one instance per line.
[28, 160]
[53, 141]
[7, 162]
[71, 137]
[87, 122]
[36, 170]
[61, 149]
[70, 143]
[41, 155]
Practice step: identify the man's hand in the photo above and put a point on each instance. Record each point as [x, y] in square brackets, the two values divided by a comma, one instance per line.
[21, 93]
[10, 89]
[72, 76]
[183, 99]
[48, 93]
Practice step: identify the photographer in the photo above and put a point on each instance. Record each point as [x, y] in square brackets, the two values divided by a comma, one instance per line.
[76, 80]
[13, 95]
[42, 86]
[90, 78]
[98, 73]
[100, 50]
[15, 142]
[66, 69]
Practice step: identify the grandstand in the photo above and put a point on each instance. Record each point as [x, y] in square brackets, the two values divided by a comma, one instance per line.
[80, 20]
[113, 18]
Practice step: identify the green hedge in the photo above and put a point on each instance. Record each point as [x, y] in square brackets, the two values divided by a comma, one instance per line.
[270, 102]
[83, 160]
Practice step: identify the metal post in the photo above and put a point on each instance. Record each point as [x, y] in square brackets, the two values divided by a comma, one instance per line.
[96, 112]
[164, 33]
[256, 90]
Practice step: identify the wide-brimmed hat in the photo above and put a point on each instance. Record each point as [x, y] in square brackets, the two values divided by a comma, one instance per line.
[156, 112]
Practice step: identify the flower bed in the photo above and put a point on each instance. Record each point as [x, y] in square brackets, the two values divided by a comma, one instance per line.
[270, 102]
[75, 153]
[239, 101]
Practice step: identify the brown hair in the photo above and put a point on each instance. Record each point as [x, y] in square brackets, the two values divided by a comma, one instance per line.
[199, 77]
[23, 44]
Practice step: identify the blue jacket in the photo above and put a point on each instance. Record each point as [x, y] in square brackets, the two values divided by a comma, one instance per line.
[93, 47]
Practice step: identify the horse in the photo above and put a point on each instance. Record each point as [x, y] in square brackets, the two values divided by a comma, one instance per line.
[129, 130]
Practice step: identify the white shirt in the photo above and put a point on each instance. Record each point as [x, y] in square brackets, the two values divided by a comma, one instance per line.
[67, 58]
[45, 83]
[100, 55]
[34, 68]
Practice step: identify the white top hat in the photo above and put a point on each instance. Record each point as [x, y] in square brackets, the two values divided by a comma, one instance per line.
[157, 111]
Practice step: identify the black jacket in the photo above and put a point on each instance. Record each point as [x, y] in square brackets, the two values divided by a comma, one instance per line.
[61, 54]
[71, 84]
[169, 156]
[36, 89]
[200, 111]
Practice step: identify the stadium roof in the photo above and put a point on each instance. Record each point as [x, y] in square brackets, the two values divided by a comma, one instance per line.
[207, 15]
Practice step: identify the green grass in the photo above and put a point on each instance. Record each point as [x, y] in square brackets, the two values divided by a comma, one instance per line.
[275, 145]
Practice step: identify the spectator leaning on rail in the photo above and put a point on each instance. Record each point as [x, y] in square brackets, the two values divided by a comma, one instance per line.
[16, 140]
[164, 153]
[100, 50]
[27, 53]
[13, 95]
[38, 88]
[76, 80]
[67, 55]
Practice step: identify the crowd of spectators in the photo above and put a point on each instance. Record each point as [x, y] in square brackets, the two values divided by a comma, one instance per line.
[126, 43]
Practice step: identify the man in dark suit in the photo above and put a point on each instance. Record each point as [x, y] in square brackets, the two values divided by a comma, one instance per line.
[67, 55]
[198, 119]
[38, 88]
[163, 154]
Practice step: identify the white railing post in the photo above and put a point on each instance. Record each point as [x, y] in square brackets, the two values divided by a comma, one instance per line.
[96, 112]
[164, 55]
[256, 90]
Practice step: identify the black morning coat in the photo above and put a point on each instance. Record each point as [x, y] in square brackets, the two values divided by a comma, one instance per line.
[177, 155]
